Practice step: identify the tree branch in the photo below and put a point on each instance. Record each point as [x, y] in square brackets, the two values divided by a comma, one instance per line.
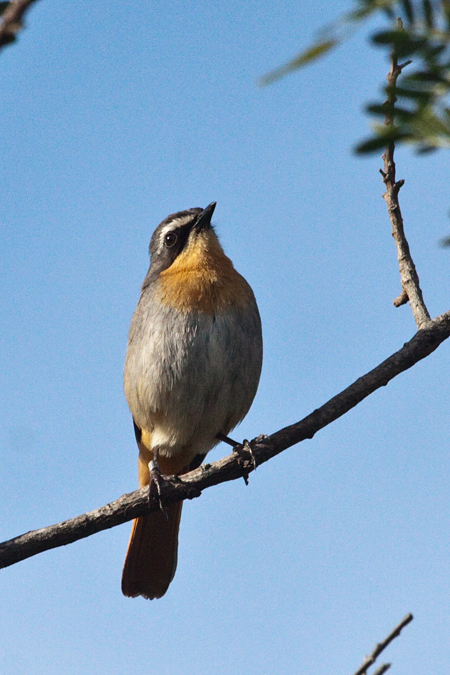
[237, 465]
[382, 669]
[411, 290]
[12, 20]
[370, 660]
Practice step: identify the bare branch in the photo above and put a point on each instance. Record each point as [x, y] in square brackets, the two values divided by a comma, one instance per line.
[370, 660]
[12, 20]
[408, 274]
[382, 669]
[237, 465]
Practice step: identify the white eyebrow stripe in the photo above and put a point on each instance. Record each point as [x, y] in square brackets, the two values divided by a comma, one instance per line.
[176, 222]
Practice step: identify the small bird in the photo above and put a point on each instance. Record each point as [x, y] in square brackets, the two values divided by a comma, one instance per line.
[191, 373]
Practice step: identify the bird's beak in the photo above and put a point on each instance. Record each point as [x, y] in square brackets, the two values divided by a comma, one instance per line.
[204, 221]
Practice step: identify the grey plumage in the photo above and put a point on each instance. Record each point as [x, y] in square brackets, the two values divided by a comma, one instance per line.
[201, 370]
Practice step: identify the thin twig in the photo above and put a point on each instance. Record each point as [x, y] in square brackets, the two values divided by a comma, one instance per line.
[370, 660]
[382, 669]
[12, 20]
[235, 465]
[411, 290]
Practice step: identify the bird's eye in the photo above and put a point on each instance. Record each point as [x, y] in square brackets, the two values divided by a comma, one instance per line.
[170, 239]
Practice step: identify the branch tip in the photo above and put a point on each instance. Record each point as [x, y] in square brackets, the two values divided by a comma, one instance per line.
[403, 65]
[402, 299]
[12, 20]
[381, 646]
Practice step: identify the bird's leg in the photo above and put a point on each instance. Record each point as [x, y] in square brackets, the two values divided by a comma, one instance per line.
[156, 480]
[227, 439]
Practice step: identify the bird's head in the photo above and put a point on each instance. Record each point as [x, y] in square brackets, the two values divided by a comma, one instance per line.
[186, 235]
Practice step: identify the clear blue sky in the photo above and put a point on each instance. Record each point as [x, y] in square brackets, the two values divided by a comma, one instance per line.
[114, 115]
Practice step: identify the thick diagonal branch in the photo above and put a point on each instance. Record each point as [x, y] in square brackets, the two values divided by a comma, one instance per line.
[411, 290]
[234, 466]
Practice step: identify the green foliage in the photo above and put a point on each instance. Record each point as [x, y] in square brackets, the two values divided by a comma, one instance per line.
[302, 59]
[419, 31]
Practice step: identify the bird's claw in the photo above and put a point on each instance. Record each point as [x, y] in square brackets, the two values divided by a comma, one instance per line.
[241, 450]
[246, 446]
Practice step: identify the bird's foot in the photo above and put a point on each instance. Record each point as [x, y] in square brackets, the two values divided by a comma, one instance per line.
[247, 447]
[241, 449]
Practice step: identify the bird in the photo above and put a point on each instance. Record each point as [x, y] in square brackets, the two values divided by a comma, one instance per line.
[192, 370]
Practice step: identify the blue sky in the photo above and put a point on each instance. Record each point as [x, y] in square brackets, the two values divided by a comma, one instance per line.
[114, 116]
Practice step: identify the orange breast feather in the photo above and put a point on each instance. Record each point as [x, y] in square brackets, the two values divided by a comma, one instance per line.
[203, 279]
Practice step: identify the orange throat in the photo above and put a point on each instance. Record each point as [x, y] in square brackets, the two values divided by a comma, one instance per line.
[203, 279]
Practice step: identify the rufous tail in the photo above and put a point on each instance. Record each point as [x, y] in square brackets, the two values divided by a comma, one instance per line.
[151, 558]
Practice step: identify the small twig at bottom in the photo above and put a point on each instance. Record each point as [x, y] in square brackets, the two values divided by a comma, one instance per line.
[370, 660]
[382, 669]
